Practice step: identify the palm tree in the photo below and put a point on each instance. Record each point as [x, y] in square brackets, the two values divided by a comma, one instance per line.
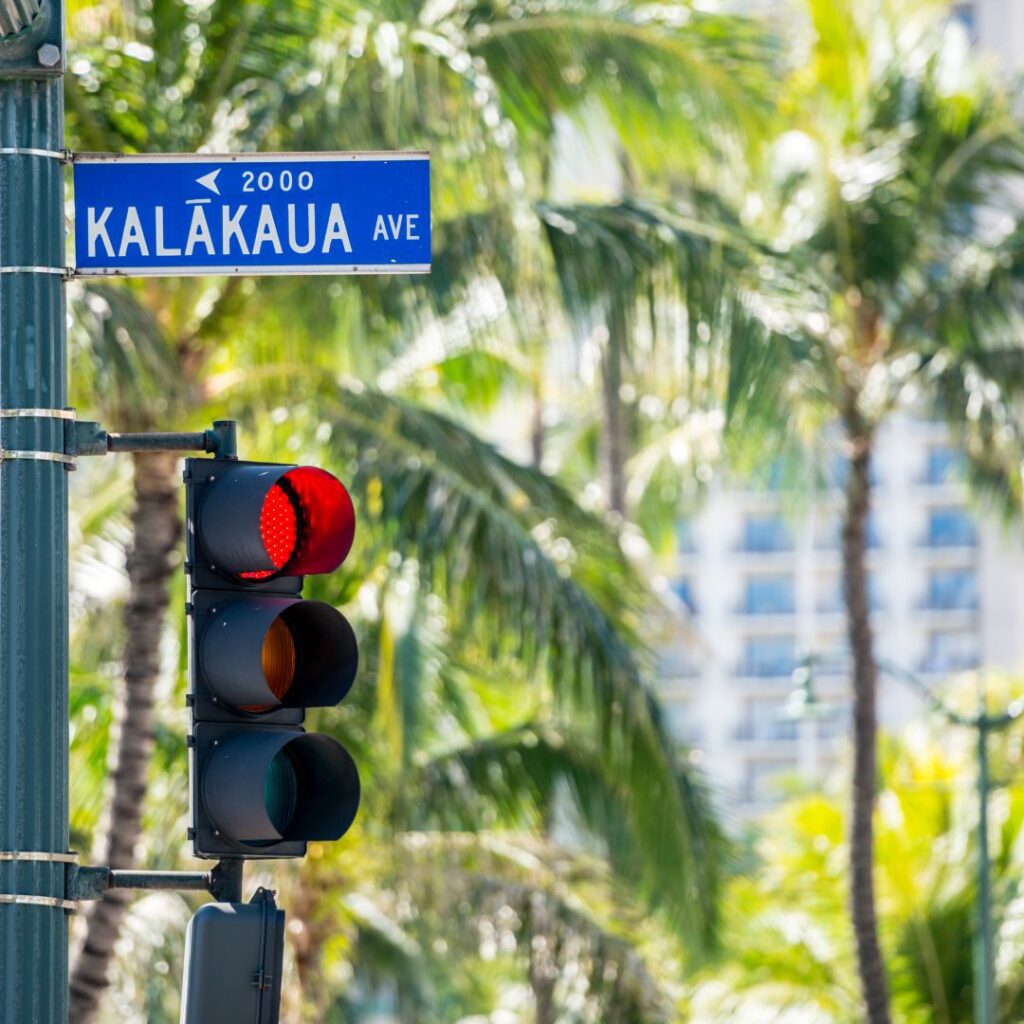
[888, 273]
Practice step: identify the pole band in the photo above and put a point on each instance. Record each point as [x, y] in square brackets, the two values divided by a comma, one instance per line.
[53, 154]
[42, 414]
[8, 454]
[37, 855]
[62, 271]
[38, 901]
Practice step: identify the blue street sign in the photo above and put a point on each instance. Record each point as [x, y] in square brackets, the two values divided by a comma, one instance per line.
[282, 213]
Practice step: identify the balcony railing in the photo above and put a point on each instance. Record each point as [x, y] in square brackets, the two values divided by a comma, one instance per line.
[941, 664]
[766, 669]
[764, 606]
[766, 732]
[949, 603]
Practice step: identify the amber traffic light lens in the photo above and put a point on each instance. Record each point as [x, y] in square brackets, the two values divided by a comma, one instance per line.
[279, 661]
[279, 658]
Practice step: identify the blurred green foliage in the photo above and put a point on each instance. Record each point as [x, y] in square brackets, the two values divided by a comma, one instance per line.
[790, 952]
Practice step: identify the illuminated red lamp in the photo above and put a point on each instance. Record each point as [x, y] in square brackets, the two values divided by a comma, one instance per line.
[260, 521]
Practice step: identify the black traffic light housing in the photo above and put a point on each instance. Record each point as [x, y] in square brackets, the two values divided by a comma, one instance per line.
[259, 655]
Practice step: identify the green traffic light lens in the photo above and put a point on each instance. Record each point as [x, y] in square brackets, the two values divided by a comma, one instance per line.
[281, 790]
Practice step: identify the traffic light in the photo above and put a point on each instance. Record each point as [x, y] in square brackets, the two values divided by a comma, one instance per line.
[260, 654]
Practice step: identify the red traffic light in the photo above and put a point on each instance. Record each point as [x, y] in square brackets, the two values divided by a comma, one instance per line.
[260, 521]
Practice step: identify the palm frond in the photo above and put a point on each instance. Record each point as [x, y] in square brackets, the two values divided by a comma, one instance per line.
[551, 908]
[522, 778]
[125, 362]
[475, 522]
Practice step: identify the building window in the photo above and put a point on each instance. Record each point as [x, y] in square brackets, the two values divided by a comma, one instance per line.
[964, 14]
[837, 472]
[944, 465]
[682, 720]
[769, 595]
[769, 656]
[684, 537]
[950, 527]
[950, 589]
[683, 589]
[766, 533]
[764, 720]
[951, 651]
[874, 539]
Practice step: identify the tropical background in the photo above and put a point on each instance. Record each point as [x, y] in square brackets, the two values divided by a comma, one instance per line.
[694, 264]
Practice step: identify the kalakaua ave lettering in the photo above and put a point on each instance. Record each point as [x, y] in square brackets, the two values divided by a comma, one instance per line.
[244, 230]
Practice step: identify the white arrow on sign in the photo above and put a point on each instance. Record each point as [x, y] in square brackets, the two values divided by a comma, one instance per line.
[210, 181]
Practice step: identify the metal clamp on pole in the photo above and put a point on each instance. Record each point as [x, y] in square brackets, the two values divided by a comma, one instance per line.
[30, 899]
[67, 415]
[37, 414]
[9, 454]
[38, 856]
[64, 156]
[21, 899]
[65, 272]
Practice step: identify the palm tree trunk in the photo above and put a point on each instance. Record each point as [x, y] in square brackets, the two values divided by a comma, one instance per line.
[865, 682]
[156, 535]
[542, 984]
[542, 969]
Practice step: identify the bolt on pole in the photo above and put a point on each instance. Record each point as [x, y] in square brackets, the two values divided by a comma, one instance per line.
[33, 517]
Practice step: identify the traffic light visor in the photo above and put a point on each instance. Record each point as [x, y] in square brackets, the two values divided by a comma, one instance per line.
[278, 785]
[261, 521]
[263, 653]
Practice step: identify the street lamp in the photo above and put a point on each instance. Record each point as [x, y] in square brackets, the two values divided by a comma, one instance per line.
[805, 708]
[803, 702]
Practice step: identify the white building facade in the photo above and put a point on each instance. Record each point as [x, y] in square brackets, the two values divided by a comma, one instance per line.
[761, 576]
[762, 580]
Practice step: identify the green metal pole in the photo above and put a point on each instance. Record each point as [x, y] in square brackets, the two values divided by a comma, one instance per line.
[984, 975]
[33, 520]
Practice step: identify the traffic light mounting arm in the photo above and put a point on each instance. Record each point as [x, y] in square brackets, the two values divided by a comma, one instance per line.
[89, 438]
